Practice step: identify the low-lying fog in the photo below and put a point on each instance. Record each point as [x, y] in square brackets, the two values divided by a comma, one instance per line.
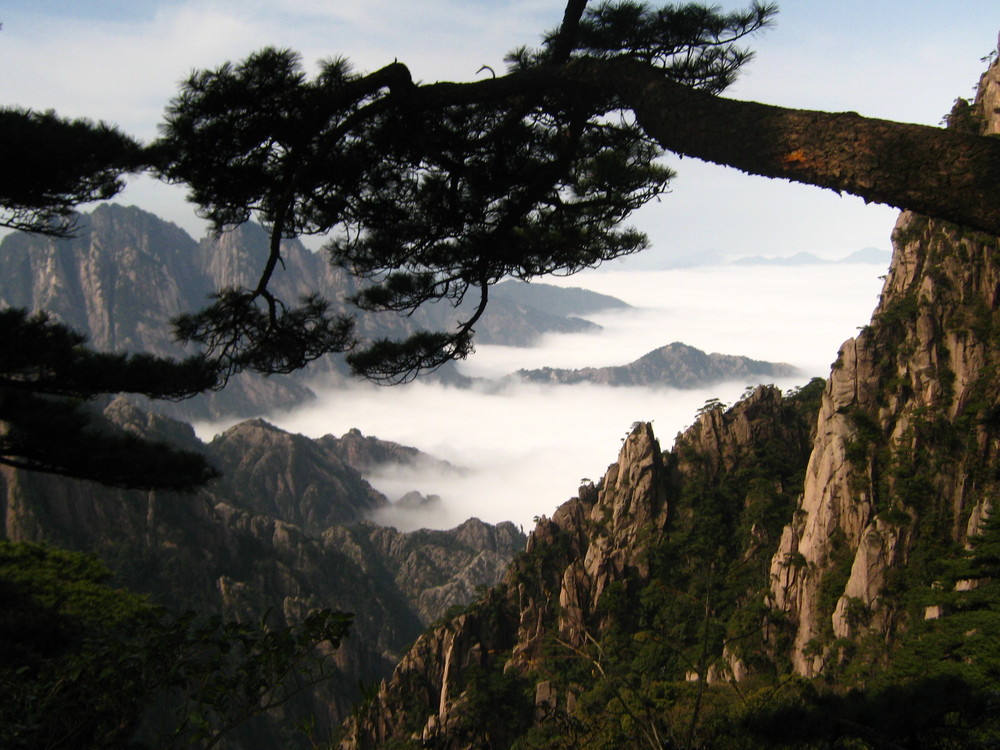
[527, 447]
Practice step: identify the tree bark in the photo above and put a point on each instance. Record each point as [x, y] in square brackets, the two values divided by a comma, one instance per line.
[933, 171]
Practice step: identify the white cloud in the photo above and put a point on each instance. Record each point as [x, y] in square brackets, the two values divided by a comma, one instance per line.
[528, 446]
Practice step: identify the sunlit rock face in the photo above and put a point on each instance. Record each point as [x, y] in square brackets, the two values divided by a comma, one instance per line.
[597, 542]
[904, 431]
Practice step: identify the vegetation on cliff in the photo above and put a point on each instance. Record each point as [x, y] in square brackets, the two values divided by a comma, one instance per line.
[673, 605]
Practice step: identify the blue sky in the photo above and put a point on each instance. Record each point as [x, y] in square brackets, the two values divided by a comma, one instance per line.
[121, 61]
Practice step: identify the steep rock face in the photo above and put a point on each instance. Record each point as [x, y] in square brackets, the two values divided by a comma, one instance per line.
[425, 696]
[677, 365]
[906, 443]
[118, 280]
[564, 593]
[433, 570]
[127, 274]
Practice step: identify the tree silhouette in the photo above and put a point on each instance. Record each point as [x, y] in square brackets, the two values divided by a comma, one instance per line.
[52, 164]
[47, 377]
[436, 191]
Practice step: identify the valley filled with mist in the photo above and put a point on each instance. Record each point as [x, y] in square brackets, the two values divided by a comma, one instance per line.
[524, 448]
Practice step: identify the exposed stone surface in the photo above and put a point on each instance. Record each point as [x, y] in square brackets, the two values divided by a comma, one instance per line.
[127, 273]
[594, 541]
[921, 378]
[291, 477]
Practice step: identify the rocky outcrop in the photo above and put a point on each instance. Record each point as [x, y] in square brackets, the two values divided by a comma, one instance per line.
[566, 592]
[570, 559]
[676, 365]
[278, 474]
[906, 434]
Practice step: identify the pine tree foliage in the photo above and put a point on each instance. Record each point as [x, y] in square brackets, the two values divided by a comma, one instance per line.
[428, 197]
[47, 376]
[85, 665]
[52, 164]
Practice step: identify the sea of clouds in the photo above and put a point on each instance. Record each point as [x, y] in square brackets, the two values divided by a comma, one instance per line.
[525, 448]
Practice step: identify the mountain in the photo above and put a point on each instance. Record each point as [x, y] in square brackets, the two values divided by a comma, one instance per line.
[870, 255]
[127, 273]
[676, 365]
[814, 569]
[554, 300]
[283, 531]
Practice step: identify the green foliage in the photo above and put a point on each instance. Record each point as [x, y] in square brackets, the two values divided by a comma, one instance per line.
[52, 164]
[693, 44]
[499, 706]
[85, 665]
[926, 712]
[263, 336]
[959, 642]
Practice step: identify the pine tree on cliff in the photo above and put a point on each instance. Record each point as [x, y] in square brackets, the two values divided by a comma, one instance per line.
[437, 191]
[46, 377]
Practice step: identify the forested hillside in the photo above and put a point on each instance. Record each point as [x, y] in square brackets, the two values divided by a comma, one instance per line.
[281, 535]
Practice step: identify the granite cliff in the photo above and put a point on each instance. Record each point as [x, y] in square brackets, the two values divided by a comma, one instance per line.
[907, 439]
[127, 273]
[589, 570]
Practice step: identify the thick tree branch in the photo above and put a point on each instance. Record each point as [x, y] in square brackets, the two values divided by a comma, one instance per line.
[934, 171]
[562, 44]
[929, 170]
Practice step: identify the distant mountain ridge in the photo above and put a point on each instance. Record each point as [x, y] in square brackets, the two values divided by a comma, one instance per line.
[870, 255]
[283, 531]
[127, 273]
[677, 365]
[555, 300]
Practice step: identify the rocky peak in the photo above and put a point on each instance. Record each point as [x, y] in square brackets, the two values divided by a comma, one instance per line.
[904, 434]
[678, 365]
[289, 476]
[595, 553]
[570, 559]
[721, 437]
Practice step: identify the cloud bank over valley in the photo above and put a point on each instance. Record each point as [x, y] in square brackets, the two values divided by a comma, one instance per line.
[526, 447]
